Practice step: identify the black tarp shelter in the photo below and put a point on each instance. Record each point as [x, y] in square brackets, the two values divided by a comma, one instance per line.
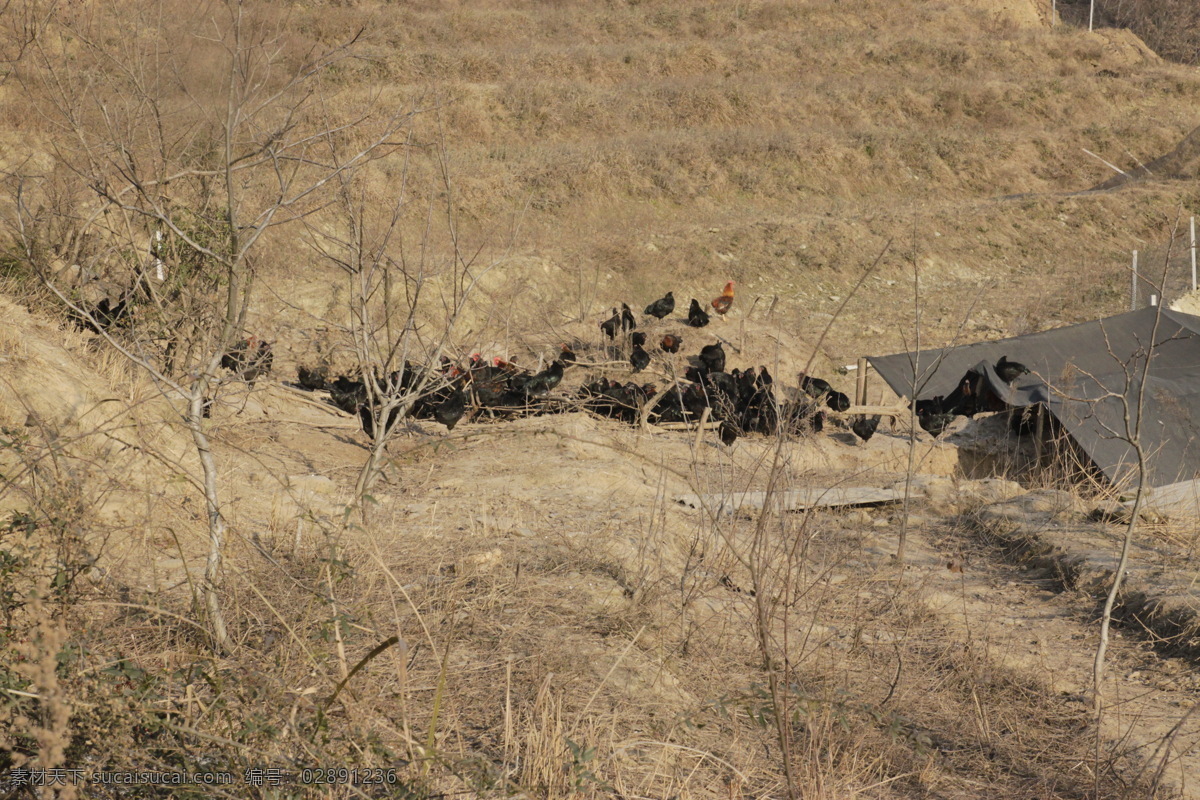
[1081, 373]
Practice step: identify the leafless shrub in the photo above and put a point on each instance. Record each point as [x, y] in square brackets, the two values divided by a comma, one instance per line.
[1170, 27]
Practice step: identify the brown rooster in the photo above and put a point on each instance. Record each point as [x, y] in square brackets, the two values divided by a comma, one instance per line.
[722, 304]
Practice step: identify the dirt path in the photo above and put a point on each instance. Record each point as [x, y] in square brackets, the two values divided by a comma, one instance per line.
[1021, 620]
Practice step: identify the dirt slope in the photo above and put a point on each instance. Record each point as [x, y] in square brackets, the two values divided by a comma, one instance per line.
[523, 608]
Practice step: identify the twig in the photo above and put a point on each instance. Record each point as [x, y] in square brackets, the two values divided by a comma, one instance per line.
[379, 648]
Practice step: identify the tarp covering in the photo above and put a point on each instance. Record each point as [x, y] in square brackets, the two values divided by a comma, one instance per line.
[1085, 374]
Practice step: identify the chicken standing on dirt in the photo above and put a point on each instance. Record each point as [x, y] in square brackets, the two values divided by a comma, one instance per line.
[249, 359]
[540, 384]
[932, 415]
[818, 388]
[728, 433]
[368, 419]
[662, 306]
[611, 325]
[697, 316]
[639, 358]
[628, 323]
[314, 379]
[712, 357]
[723, 303]
[451, 410]
[864, 427]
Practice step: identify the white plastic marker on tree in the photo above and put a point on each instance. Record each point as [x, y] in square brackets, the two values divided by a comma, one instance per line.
[156, 251]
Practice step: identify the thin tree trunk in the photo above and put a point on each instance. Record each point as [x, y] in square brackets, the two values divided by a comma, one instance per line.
[216, 522]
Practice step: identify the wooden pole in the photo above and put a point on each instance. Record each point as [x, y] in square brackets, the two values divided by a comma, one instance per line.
[1193, 254]
[1133, 285]
[700, 427]
[860, 389]
[1039, 434]
[1092, 15]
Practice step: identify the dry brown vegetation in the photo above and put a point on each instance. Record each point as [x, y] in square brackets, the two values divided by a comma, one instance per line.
[524, 608]
[1170, 27]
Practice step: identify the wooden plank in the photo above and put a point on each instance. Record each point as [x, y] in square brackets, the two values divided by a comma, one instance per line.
[1179, 500]
[684, 426]
[886, 411]
[860, 383]
[794, 500]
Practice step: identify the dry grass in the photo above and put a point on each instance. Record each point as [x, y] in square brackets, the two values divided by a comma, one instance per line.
[563, 628]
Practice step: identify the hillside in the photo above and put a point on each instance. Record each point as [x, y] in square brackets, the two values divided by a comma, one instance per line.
[533, 606]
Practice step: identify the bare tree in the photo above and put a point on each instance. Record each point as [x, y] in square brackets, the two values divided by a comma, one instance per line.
[184, 143]
[1132, 399]
[21, 22]
[407, 294]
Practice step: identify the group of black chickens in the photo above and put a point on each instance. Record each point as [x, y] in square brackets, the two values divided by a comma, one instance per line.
[973, 395]
[742, 401]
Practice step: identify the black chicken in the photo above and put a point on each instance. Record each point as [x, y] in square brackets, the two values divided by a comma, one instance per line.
[105, 313]
[541, 383]
[568, 356]
[671, 343]
[721, 385]
[249, 359]
[638, 339]
[313, 379]
[369, 419]
[662, 306]
[347, 395]
[837, 401]
[728, 433]
[814, 387]
[712, 357]
[108, 313]
[611, 325]
[670, 407]
[932, 415]
[451, 410]
[628, 323]
[864, 427]
[964, 400]
[697, 316]
[491, 387]
[818, 388]
[639, 358]
[695, 400]
[1009, 371]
